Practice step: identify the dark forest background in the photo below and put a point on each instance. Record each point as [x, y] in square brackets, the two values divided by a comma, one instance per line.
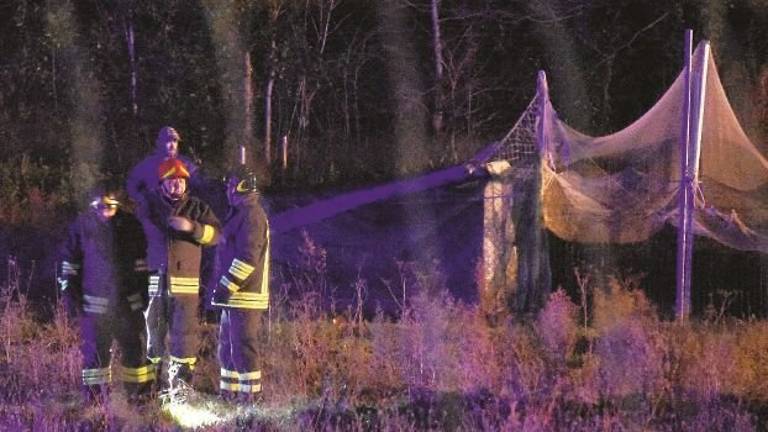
[356, 92]
[354, 84]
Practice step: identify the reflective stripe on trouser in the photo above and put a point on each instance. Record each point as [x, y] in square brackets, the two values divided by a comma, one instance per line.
[176, 316]
[189, 361]
[97, 331]
[138, 375]
[234, 381]
[238, 351]
[180, 370]
[97, 376]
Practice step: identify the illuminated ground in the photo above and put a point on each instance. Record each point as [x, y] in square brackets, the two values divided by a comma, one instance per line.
[205, 410]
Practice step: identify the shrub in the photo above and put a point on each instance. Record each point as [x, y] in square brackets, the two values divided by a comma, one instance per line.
[31, 192]
[557, 327]
[751, 362]
[629, 346]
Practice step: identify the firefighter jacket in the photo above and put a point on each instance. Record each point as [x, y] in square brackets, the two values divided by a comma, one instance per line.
[142, 180]
[244, 257]
[102, 263]
[174, 253]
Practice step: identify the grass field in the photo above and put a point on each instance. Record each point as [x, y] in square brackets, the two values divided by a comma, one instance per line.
[441, 365]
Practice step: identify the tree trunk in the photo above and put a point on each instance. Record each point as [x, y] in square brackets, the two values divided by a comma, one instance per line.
[247, 101]
[130, 42]
[437, 46]
[269, 87]
[268, 104]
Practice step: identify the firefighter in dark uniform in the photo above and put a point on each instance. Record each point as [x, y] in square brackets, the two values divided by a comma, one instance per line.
[103, 282]
[177, 226]
[242, 292]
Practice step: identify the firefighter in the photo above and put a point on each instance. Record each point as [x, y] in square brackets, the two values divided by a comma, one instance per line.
[142, 182]
[102, 281]
[177, 226]
[242, 292]
[143, 177]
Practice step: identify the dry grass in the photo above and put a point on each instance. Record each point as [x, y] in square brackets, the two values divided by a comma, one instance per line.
[440, 366]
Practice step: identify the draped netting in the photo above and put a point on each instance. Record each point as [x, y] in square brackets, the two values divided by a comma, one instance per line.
[623, 187]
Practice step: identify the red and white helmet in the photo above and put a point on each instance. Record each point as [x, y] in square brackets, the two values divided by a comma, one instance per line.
[172, 168]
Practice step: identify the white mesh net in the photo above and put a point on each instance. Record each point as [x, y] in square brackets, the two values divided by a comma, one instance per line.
[623, 187]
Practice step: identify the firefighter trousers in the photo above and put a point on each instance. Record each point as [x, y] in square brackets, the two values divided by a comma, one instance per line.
[97, 331]
[175, 316]
[238, 351]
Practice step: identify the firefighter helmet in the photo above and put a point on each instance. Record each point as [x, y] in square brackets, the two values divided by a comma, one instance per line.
[244, 179]
[172, 168]
[104, 195]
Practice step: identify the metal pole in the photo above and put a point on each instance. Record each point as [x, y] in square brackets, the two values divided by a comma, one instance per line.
[697, 111]
[542, 96]
[698, 95]
[683, 282]
[538, 286]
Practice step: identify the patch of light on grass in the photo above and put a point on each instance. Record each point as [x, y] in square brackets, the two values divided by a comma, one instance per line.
[197, 413]
[189, 415]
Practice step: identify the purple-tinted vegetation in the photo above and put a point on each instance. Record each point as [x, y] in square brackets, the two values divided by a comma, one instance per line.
[440, 364]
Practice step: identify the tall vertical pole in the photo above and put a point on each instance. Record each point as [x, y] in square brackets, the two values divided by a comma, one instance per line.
[542, 94]
[690, 153]
[684, 249]
[698, 97]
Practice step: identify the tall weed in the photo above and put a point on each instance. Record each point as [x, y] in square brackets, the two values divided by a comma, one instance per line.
[440, 366]
[630, 345]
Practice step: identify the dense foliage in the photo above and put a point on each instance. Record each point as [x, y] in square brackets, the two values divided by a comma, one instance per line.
[354, 87]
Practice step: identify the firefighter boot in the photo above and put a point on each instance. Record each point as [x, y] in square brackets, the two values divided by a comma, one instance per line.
[180, 381]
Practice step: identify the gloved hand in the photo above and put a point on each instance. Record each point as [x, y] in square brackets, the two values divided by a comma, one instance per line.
[220, 295]
[180, 223]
